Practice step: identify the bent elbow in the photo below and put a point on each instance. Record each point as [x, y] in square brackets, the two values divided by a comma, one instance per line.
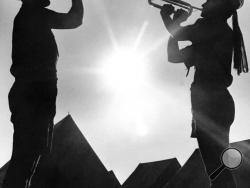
[80, 18]
[173, 58]
[77, 22]
[75, 19]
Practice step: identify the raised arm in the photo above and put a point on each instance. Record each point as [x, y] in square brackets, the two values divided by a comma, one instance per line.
[202, 31]
[175, 54]
[69, 20]
[173, 24]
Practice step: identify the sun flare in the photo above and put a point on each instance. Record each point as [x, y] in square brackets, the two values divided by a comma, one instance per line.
[125, 73]
[124, 70]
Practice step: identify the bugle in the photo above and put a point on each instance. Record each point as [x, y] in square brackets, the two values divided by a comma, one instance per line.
[178, 3]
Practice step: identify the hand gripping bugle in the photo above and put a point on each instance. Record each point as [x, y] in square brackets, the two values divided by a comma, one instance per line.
[178, 3]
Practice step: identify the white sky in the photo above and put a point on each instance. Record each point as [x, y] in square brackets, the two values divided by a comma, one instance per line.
[124, 127]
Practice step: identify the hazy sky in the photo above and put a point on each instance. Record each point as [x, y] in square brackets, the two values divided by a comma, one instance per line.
[136, 112]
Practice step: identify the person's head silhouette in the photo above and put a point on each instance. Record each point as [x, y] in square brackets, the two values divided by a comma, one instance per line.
[225, 8]
[222, 10]
[39, 3]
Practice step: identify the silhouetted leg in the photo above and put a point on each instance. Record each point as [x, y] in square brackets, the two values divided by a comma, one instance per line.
[33, 108]
[21, 163]
[45, 102]
[213, 112]
[44, 114]
[212, 147]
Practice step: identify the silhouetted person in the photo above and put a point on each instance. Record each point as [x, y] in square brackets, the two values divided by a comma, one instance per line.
[213, 44]
[32, 98]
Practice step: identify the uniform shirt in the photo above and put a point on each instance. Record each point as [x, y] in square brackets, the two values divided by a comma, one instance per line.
[210, 52]
[34, 49]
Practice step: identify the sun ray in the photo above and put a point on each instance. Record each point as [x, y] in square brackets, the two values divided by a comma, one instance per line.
[112, 37]
[140, 35]
[106, 21]
[124, 73]
[159, 43]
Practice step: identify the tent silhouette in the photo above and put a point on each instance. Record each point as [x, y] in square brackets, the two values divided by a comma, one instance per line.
[152, 174]
[73, 163]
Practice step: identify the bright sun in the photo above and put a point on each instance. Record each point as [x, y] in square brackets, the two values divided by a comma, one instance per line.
[124, 70]
[124, 73]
